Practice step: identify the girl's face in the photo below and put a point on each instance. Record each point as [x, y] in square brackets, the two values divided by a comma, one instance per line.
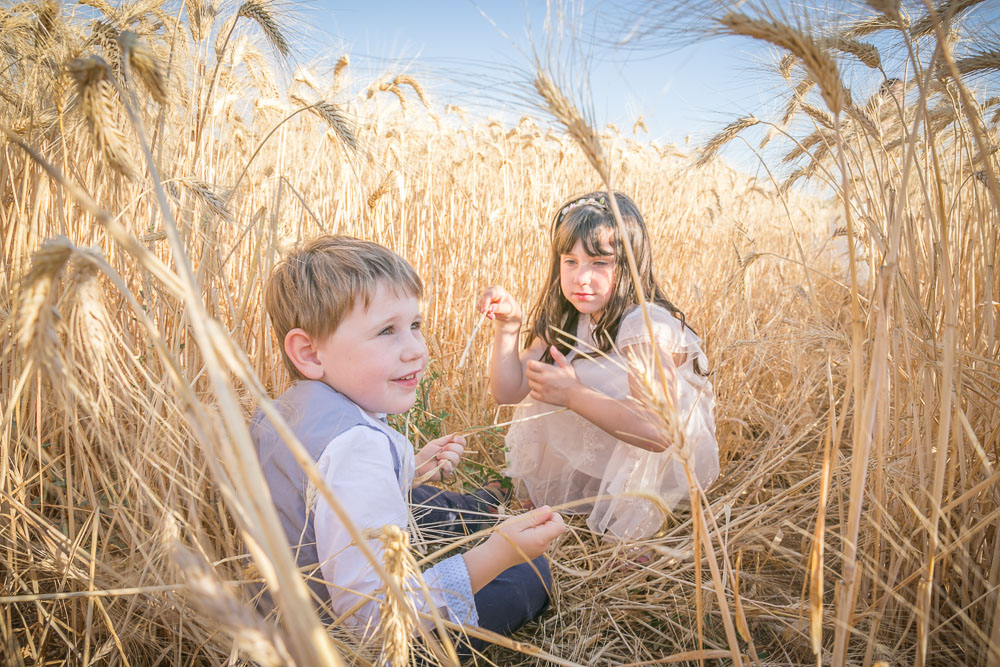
[588, 280]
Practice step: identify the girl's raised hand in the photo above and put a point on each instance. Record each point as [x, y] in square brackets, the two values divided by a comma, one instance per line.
[440, 456]
[553, 384]
[498, 305]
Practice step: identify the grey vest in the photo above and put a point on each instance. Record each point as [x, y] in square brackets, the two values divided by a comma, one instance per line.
[317, 414]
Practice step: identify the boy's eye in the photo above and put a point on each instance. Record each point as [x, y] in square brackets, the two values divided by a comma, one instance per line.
[416, 325]
[386, 332]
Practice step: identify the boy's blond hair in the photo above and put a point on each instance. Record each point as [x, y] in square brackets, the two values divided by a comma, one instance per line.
[319, 282]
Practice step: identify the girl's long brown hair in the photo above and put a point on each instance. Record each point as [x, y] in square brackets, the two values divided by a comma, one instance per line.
[587, 219]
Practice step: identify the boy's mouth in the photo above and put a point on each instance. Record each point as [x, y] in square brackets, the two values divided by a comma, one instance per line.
[408, 380]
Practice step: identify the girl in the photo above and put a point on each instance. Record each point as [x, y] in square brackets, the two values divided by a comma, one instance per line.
[588, 350]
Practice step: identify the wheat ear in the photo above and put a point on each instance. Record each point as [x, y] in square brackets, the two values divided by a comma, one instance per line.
[945, 12]
[727, 134]
[863, 51]
[93, 84]
[338, 70]
[816, 60]
[141, 61]
[407, 80]
[260, 12]
[981, 62]
[334, 117]
[207, 594]
[396, 619]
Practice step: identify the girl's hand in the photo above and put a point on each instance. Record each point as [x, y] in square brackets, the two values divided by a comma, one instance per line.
[442, 455]
[553, 384]
[500, 306]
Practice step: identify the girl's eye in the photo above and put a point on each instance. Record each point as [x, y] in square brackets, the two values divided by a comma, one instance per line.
[388, 331]
[569, 260]
[416, 325]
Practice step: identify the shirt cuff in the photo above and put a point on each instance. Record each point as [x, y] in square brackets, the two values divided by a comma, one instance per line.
[449, 580]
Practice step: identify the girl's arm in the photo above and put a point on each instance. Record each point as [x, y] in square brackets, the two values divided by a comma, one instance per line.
[627, 420]
[508, 382]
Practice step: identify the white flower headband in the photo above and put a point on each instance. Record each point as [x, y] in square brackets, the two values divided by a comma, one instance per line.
[588, 201]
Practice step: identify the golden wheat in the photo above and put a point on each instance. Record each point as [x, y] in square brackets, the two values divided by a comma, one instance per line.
[112, 429]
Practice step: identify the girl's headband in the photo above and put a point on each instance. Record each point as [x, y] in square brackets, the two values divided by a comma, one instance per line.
[598, 202]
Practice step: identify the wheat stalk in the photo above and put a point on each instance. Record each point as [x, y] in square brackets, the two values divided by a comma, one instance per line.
[819, 116]
[889, 8]
[385, 84]
[795, 103]
[35, 318]
[472, 337]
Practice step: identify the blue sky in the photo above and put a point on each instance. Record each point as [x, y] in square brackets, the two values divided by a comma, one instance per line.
[470, 52]
[477, 54]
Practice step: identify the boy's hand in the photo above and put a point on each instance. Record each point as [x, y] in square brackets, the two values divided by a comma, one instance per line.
[553, 384]
[527, 536]
[517, 540]
[439, 458]
[498, 305]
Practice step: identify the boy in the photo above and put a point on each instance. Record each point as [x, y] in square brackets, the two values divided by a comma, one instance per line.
[347, 316]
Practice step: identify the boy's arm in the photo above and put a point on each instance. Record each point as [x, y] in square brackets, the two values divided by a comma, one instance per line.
[516, 540]
[358, 468]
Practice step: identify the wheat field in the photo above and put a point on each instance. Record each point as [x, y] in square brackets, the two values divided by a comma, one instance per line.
[157, 160]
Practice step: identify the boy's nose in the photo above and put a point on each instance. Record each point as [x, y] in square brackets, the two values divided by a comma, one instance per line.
[414, 348]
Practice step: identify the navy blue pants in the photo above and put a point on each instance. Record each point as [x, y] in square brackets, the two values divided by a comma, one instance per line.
[518, 595]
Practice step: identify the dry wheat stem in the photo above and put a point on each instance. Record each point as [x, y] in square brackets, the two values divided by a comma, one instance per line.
[472, 337]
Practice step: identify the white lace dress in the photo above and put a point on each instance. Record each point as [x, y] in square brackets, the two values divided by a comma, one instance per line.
[562, 457]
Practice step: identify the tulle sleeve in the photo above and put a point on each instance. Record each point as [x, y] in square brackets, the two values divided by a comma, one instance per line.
[672, 337]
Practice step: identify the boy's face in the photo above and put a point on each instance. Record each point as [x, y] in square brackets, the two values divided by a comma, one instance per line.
[377, 355]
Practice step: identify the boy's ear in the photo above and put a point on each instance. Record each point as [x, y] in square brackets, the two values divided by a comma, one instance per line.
[300, 349]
